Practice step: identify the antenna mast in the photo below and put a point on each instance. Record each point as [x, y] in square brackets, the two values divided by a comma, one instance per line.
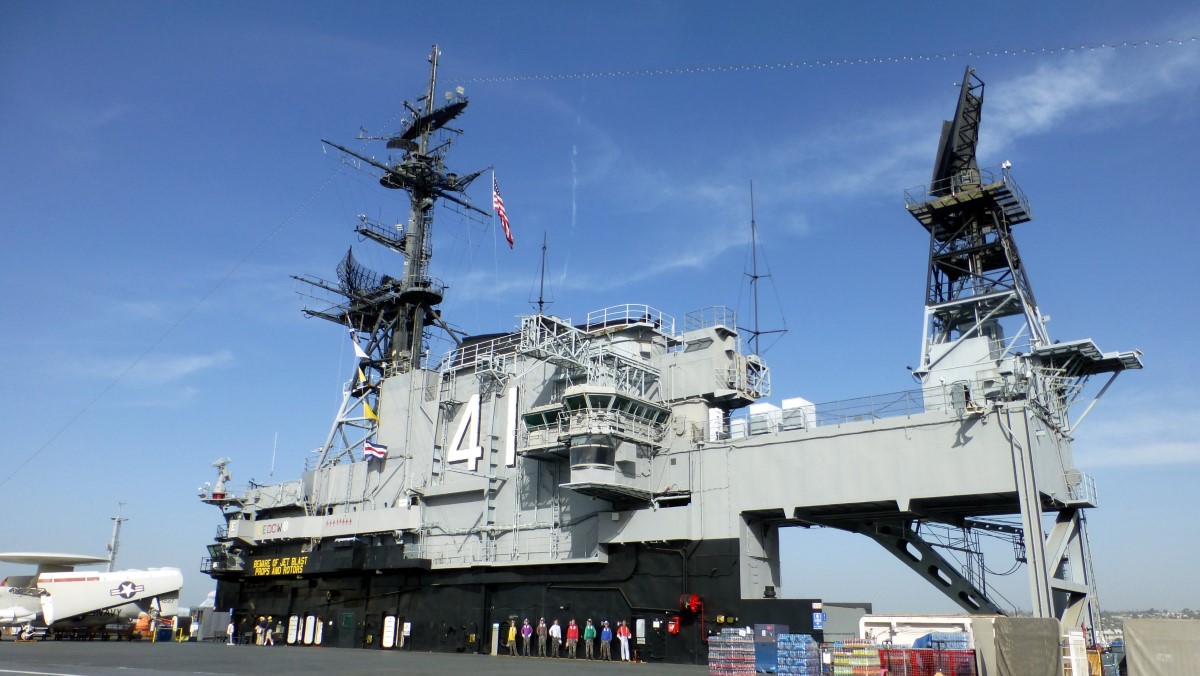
[542, 302]
[115, 542]
[755, 332]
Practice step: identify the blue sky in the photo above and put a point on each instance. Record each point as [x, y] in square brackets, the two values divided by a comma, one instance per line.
[163, 175]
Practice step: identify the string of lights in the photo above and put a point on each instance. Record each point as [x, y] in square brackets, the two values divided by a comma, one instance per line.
[827, 63]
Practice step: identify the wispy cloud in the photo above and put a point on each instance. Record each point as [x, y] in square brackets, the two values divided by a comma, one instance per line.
[864, 155]
[154, 370]
[1147, 432]
[165, 369]
[1060, 92]
[797, 171]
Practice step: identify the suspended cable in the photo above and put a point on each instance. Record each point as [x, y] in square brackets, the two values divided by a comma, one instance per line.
[825, 63]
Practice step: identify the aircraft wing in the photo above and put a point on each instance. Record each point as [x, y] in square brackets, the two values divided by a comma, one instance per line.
[50, 562]
[76, 593]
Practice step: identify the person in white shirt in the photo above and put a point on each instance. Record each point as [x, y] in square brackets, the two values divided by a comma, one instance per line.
[555, 638]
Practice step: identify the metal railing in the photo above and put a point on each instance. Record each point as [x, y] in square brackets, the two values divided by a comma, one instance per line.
[708, 317]
[874, 407]
[919, 195]
[485, 353]
[629, 314]
[618, 423]
[845, 411]
[1081, 487]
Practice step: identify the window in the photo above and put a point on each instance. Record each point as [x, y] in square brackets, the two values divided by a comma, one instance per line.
[600, 400]
[593, 454]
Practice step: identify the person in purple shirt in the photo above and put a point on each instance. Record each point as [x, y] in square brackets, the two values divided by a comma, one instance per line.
[526, 633]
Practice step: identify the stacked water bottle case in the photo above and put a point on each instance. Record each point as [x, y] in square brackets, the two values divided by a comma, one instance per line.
[799, 655]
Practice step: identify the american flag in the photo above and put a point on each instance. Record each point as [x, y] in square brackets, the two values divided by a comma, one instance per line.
[374, 450]
[498, 205]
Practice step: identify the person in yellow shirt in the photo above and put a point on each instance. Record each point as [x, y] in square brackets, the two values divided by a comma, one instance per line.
[512, 638]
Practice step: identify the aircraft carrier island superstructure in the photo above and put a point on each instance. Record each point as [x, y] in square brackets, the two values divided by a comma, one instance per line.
[626, 465]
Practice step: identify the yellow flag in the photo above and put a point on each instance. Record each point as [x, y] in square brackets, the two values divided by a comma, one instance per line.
[361, 377]
[369, 413]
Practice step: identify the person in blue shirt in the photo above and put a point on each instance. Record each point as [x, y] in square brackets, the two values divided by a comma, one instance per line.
[606, 635]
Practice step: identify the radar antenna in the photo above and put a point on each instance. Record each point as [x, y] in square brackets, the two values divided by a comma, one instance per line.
[975, 277]
[975, 281]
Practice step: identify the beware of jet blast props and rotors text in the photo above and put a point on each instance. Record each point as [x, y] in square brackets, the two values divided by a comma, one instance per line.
[612, 466]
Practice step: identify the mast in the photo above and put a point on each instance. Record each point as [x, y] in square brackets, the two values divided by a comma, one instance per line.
[542, 302]
[393, 314]
[408, 343]
[755, 332]
[115, 542]
[754, 266]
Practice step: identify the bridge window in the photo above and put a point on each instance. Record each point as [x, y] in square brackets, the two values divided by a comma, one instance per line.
[600, 400]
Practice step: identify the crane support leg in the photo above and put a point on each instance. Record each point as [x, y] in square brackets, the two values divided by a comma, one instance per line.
[1072, 581]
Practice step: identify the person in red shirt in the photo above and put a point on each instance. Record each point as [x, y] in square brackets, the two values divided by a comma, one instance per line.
[623, 635]
[572, 638]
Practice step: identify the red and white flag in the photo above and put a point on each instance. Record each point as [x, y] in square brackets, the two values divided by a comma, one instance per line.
[498, 205]
[377, 451]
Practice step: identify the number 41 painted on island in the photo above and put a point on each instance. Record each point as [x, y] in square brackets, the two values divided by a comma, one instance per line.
[465, 447]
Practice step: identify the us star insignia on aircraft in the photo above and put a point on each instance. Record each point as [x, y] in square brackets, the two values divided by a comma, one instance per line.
[126, 590]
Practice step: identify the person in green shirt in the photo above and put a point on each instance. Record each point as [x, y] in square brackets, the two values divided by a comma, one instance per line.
[589, 638]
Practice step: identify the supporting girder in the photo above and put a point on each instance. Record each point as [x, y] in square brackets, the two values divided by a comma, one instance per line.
[1071, 578]
[906, 544]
